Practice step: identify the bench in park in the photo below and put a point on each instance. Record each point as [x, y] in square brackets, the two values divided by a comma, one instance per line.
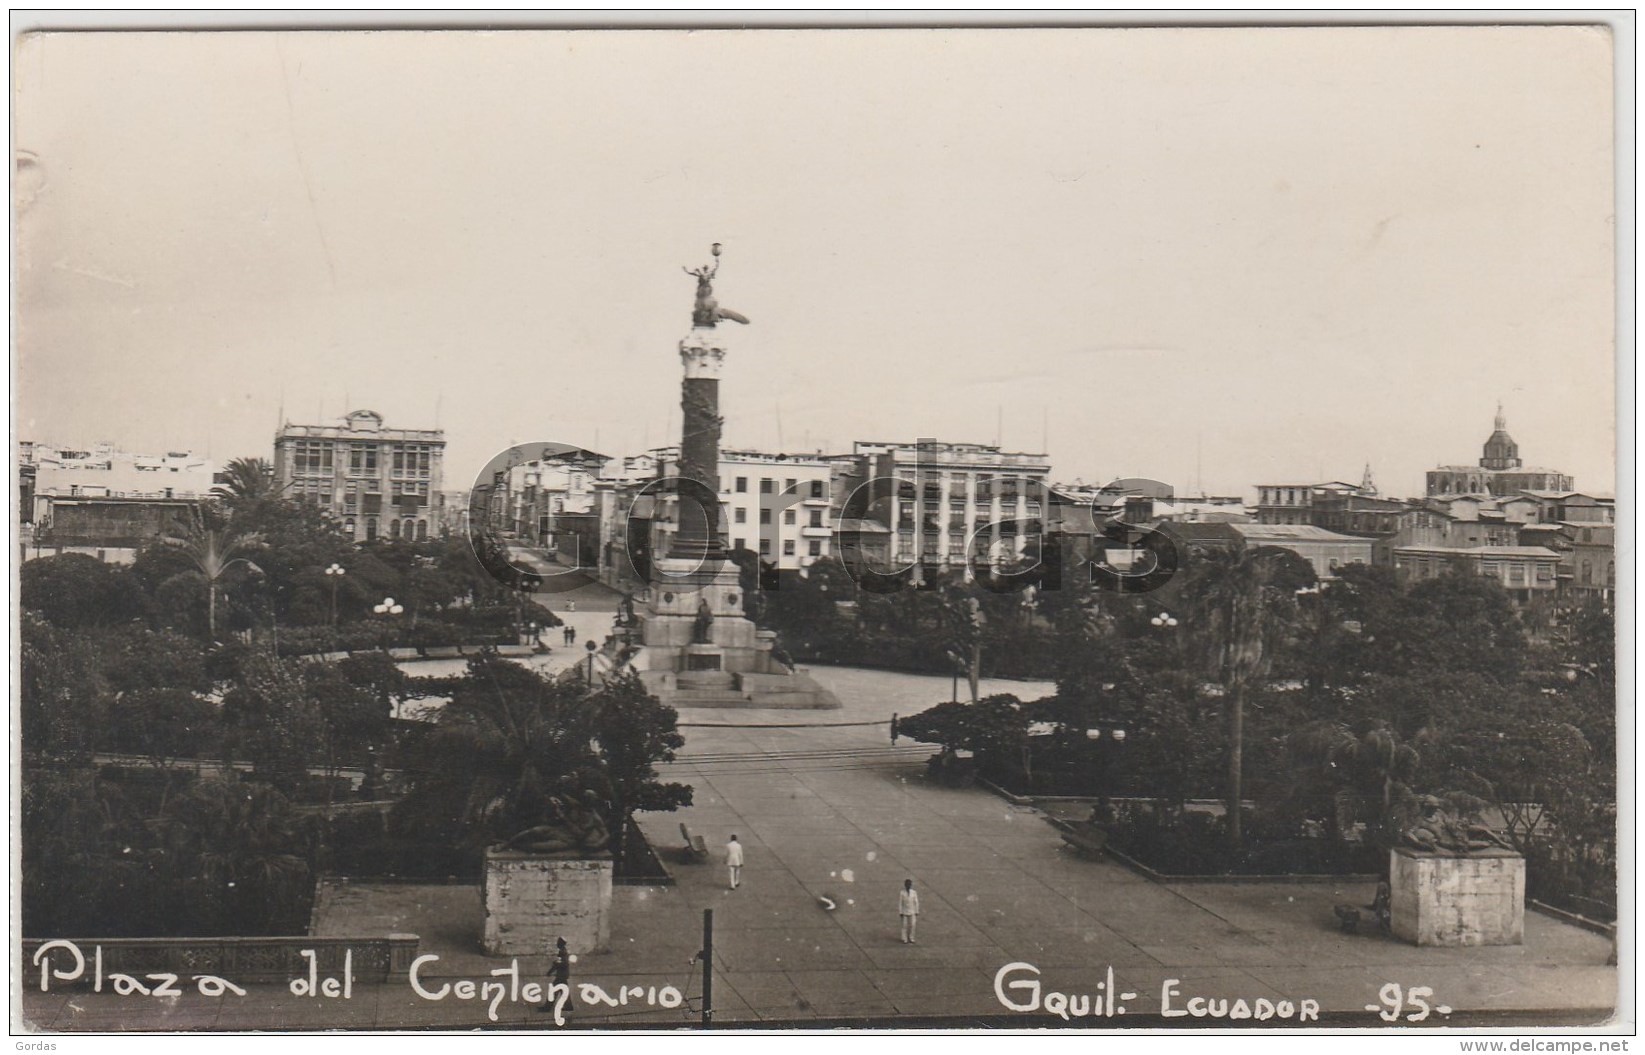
[1085, 839]
[695, 848]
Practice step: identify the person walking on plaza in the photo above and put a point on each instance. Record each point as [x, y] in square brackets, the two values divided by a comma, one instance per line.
[734, 861]
[908, 907]
[559, 974]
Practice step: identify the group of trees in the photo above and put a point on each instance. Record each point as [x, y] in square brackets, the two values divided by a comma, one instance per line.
[1338, 704]
[128, 674]
[921, 629]
[254, 562]
[512, 739]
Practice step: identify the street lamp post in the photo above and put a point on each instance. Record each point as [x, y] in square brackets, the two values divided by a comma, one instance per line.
[956, 660]
[334, 574]
[387, 608]
[592, 648]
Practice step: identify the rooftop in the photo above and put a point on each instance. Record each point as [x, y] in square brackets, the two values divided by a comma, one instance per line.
[1515, 471]
[1567, 494]
[1295, 532]
[1481, 551]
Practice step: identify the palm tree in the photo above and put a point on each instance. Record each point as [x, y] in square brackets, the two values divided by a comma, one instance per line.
[247, 482]
[211, 543]
[1366, 778]
[236, 851]
[508, 741]
[1239, 607]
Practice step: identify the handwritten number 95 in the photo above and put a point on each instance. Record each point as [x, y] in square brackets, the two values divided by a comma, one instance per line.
[1395, 1000]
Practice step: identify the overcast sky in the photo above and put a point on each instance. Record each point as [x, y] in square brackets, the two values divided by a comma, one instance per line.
[1218, 256]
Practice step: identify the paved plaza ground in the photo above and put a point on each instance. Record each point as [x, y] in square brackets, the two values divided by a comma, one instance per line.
[837, 812]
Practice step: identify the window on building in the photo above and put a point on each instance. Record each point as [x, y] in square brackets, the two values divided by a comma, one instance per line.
[741, 515]
[765, 485]
[788, 547]
[816, 518]
[422, 531]
[788, 516]
[742, 485]
[393, 529]
[791, 486]
[739, 543]
[312, 457]
[765, 547]
[817, 489]
[814, 547]
[765, 516]
[371, 528]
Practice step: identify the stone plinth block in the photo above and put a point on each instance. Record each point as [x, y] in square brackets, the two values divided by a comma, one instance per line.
[1478, 899]
[531, 899]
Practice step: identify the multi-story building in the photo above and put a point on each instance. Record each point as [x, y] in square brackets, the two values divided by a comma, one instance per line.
[377, 482]
[951, 503]
[780, 506]
[1500, 471]
[1591, 561]
[1294, 503]
[552, 501]
[1463, 525]
[104, 502]
[102, 471]
[1574, 507]
[1325, 550]
[1357, 514]
[451, 513]
[1524, 571]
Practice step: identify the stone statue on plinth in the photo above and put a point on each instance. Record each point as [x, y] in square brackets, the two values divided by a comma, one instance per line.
[707, 311]
[1443, 831]
[569, 829]
[702, 627]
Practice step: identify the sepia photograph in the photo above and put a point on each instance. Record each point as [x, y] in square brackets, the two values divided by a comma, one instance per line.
[563, 530]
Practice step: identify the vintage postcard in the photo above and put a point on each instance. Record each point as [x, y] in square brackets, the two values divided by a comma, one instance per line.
[951, 528]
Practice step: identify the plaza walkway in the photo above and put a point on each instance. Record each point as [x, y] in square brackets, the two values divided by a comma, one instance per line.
[837, 812]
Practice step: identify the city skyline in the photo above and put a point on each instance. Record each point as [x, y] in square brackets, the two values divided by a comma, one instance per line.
[1151, 253]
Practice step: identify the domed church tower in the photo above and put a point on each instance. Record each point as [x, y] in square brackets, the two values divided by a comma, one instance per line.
[1501, 452]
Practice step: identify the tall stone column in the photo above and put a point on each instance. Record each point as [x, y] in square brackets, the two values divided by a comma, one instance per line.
[702, 353]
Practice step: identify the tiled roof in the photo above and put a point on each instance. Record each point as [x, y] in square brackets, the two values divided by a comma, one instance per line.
[1293, 532]
[1482, 551]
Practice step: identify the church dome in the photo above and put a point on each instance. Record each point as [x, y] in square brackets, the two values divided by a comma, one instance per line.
[1501, 452]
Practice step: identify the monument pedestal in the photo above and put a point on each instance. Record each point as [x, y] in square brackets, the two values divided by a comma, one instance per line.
[532, 899]
[697, 649]
[692, 646]
[1478, 899]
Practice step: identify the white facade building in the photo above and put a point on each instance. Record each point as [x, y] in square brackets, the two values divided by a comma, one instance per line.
[952, 500]
[101, 471]
[777, 505]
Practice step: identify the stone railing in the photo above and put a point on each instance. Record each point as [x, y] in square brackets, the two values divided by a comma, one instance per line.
[238, 960]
